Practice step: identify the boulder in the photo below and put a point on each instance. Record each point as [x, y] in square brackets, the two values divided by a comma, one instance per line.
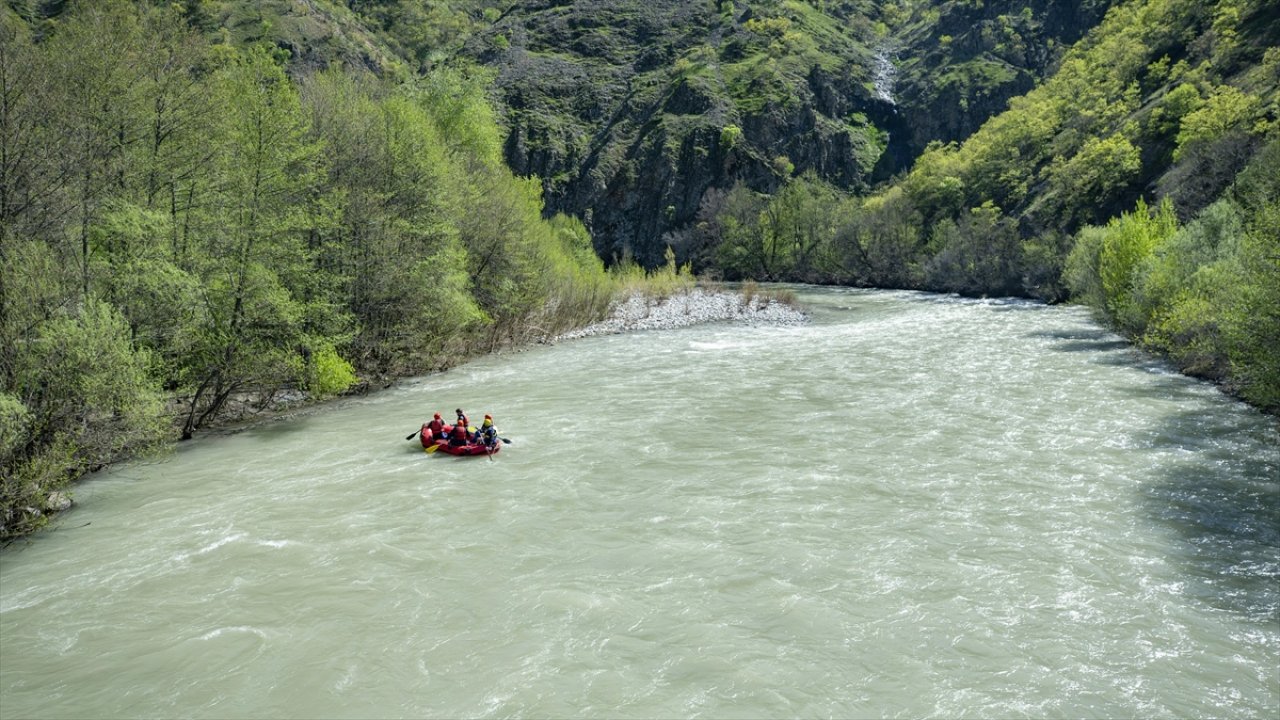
[58, 501]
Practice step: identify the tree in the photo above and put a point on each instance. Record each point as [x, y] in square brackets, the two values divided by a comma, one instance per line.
[979, 255]
[1092, 180]
[81, 397]
[1082, 272]
[744, 252]
[1227, 109]
[253, 261]
[172, 157]
[798, 225]
[1128, 242]
[1252, 325]
[92, 75]
[25, 173]
[880, 243]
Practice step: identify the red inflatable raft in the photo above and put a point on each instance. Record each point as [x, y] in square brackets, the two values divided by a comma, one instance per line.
[442, 444]
[468, 449]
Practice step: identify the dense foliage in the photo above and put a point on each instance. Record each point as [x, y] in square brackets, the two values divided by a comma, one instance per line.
[186, 228]
[1207, 293]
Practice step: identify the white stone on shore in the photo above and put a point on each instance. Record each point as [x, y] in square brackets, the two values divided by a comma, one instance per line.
[58, 501]
[695, 307]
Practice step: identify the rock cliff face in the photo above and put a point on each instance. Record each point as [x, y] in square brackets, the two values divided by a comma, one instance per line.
[633, 111]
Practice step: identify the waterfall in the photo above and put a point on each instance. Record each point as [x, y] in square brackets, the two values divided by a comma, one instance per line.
[884, 73]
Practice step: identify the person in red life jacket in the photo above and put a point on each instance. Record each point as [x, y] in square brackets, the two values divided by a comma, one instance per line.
[459, 434]
[435, 427]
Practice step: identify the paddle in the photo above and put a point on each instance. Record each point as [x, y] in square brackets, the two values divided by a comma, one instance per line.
[492, 447]
[430, 449]
[413, 434]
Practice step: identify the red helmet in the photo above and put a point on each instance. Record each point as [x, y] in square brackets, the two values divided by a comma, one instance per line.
[437, 416]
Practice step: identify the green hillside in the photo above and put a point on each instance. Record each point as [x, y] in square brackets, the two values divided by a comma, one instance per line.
[631, 111]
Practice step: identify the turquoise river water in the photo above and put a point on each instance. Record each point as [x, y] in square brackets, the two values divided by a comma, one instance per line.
[912, 506]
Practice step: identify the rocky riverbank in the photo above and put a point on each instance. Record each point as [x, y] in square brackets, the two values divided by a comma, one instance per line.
[638, 312]
[695, 307]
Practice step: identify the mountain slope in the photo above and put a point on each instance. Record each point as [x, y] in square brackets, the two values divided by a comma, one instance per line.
[630, 111]
[961, 62]
[639, 115]
[315, 33]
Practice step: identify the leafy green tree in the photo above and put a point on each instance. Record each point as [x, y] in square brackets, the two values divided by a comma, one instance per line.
[160, 300]
[91, 72]
[1226, 109]
[81, 398]
[34, 286]
[1166, 118]
[934, 185]
[788, 235]
[254, 263]
[744, 251]
[395, 242]
[1252, 326]
[175, 118]
[1094, 178]
[1128, 242]
[1181, 290]
[1044, 260]
[456, 101]
[881, 242]
[798, 222]
[980, 255]
[25, 153]
[1082, 272]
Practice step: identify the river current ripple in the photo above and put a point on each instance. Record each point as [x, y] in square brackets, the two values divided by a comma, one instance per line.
[912, 506]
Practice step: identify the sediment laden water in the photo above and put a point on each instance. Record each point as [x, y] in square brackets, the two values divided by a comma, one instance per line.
[912, 506]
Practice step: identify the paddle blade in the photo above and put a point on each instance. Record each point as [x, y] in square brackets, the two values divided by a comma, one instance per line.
[413, 435]
[430, 449]
[505, 440]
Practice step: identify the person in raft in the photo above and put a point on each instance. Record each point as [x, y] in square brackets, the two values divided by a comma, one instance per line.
[462, 419]
[436, 427]
[459, 435]
[487, 434]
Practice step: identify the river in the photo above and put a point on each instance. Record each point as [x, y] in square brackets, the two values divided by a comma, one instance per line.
[912, 506]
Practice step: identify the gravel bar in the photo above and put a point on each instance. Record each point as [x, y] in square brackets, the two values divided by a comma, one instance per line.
[695, 307]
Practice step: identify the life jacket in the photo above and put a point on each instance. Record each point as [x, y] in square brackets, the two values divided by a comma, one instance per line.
[459, 435]
[436, 426]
